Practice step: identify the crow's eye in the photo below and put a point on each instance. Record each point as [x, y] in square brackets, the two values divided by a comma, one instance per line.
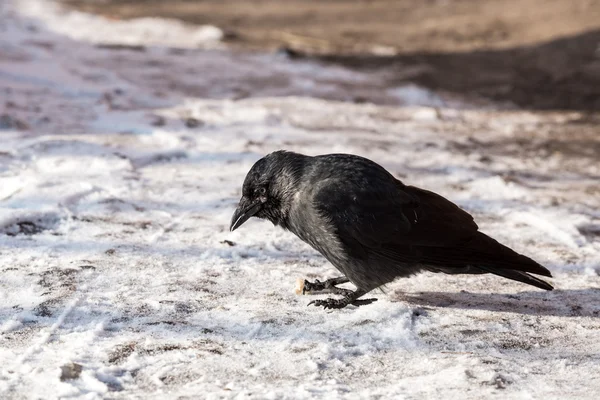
[262, 191]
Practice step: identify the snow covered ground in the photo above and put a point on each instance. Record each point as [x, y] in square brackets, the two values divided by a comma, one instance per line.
[120, 166]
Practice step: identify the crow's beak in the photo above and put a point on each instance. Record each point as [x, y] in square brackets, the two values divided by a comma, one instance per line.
[243, 212]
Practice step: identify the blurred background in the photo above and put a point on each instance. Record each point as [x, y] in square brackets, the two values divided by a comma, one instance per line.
[539, 54]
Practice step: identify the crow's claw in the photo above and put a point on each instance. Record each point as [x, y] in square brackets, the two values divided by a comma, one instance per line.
[340, 303]
[326, 286]
[315, 286]
[330, 303]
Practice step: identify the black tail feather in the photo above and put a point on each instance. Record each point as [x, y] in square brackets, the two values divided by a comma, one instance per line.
[482, 254]
[495, 255]
[518, 276]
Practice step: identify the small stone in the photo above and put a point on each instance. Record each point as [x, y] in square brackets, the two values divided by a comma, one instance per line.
[193, 122]
[10, 122]
[70, 371]
[158, 120]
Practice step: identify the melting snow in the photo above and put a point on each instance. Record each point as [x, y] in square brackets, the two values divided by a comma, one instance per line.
[120, 169]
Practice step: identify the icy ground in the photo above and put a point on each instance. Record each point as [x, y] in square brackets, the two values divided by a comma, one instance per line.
[120, 166]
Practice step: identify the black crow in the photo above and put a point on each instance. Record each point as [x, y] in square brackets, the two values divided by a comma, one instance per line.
[370, 226]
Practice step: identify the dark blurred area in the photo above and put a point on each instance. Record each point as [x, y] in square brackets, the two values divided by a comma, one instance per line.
[536, 54]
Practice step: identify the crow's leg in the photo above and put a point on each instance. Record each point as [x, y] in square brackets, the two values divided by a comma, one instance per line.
[350, 297]
[328, 285]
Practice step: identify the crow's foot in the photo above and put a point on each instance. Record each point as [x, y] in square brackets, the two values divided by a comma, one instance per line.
[328, 285]
[329, 303]
[340, 303]
[343, 302]
[348, 296]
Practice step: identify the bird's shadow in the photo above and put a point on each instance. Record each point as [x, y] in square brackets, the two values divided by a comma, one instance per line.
[563, 303]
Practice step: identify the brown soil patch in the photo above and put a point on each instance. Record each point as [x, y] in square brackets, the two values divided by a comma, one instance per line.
[542, 54]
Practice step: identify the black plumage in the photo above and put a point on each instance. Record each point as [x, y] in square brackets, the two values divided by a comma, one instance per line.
[371, 226]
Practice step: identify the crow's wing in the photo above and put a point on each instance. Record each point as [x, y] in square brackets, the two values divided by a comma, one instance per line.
[383, 216]
[405, 224]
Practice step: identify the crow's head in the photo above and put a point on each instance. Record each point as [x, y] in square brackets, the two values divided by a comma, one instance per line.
[269, 188]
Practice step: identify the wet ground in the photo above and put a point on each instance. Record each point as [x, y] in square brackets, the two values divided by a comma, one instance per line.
[535, 54]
